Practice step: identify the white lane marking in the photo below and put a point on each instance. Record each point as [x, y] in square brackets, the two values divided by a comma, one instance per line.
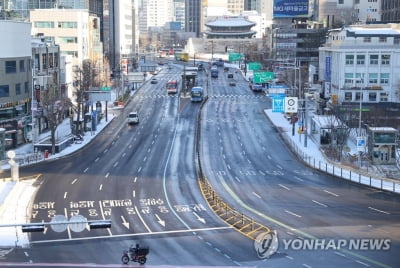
[75, 180]
[108, 174]
[289, 257]
[292, 213]
[140, 217]
[326, 191]
[363, 263]
[319, 203]
[284, 187]
[26, 253]
[223, 156]
[149, 150]
[340, 254]
[68, 230]
[269, 157]
[262, 173]
[139, 169]
[229, 167]
[101, 187]
[130, 146]
[279, 167]
[116, 164]
[378, 210]
[86, 169]
[236, 178]
[144, 159]
[133, 193]
[97, 159]
[256, 195]
[123, 155]
[152, 142]
[307, 266]
[135, 179]
[102, 215]
[297, 178]
[65, 195]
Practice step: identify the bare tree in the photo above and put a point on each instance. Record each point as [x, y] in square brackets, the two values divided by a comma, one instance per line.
[54, 110]
[337, 133]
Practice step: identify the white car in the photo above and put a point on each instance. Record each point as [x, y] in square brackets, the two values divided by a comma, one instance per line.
[133, 118]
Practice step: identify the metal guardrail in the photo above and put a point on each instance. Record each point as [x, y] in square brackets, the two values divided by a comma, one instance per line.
[341, 171]
[238, 220]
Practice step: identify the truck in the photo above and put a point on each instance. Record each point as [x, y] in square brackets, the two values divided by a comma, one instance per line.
[196, 94]
[214, 72]
[172, 86]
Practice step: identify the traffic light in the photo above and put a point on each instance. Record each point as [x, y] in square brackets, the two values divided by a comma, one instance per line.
[28, 228]
[99, 224]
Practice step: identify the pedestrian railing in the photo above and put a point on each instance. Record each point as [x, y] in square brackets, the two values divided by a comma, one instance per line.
[28, 159]
[343, 172]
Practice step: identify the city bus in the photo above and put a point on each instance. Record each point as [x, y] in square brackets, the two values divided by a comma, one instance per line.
[214, 72]
[172, 86]
[196, 94]
[181, 56]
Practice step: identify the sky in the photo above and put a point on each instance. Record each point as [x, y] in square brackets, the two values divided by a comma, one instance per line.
[15, 196]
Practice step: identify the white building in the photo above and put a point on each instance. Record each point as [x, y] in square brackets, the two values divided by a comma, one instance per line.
[361, 58]
[333, 12]
[76, 31]
[154, 13]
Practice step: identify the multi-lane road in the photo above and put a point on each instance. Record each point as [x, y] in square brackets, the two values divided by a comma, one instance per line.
[144, 178]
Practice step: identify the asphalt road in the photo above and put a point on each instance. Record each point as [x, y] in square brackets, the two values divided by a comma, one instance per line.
[143, 177]
[251, 168]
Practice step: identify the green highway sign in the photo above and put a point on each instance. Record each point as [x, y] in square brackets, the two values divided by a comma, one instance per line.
[262, 77]
[255, 66]
[235, 56]
[105, 88]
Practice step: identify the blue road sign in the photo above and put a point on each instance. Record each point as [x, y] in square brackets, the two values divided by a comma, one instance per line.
[278, 104]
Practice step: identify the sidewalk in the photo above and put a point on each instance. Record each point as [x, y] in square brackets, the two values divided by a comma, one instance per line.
[313, 157]
[15, 196]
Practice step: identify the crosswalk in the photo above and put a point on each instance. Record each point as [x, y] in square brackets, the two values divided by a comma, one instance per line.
[214, 96]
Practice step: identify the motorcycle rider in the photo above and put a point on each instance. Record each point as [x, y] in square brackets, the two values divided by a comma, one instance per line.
[133, 250]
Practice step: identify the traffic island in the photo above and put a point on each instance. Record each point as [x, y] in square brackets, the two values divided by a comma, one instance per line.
[242, 223]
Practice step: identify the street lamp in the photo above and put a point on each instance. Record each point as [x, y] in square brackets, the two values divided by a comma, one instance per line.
[360, 138]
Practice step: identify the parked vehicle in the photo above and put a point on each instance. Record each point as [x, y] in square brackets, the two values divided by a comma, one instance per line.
[230, 75]
[196, 94]
[153, 81]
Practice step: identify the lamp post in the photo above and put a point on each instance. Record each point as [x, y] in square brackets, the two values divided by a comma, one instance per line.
[360, 138]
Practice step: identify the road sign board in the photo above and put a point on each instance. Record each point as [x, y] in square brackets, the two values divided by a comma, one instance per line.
[255, 66]
[262, 77]
[234, 56]
[78, 223]
[361, 144]
[278, 104]
[59, 227]
[291, 104]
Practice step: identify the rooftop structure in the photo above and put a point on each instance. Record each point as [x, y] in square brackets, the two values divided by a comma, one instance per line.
[230, 27]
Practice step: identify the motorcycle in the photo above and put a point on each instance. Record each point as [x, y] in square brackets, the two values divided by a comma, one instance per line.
[135, 255]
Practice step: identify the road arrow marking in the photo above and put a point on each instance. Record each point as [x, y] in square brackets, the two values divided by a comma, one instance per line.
[124, 222]
[160, 221]
[199, 218]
